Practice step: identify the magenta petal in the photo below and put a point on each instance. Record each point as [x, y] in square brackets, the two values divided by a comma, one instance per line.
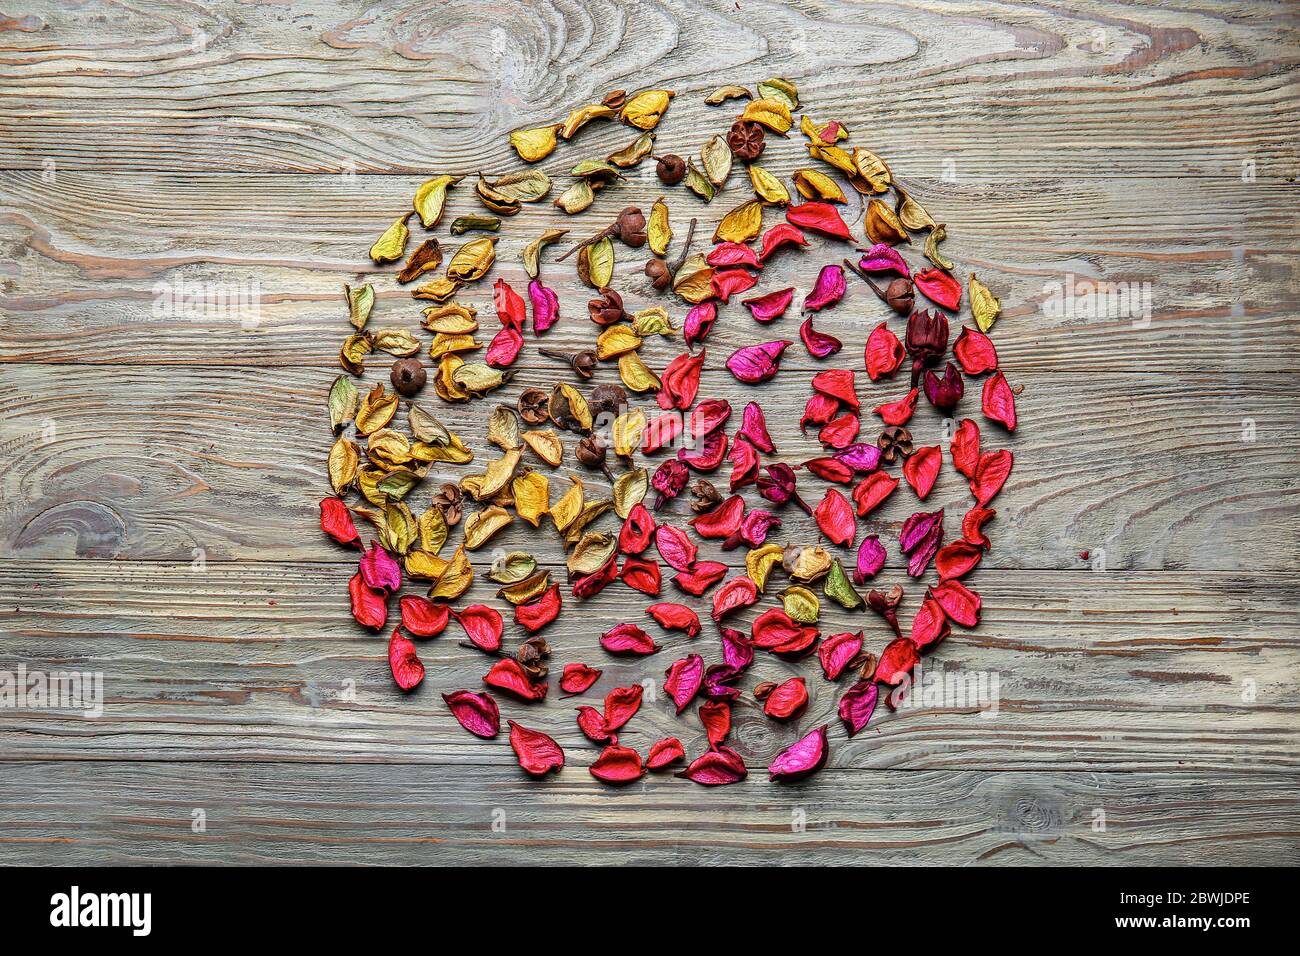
[699, 322]
[857, 705]
[802, 758]
[379, 571]
[860, 456]
[546, 306]
[818, 344]
[683, 679]
[737, 649]
[757, 363]
[871, 558]
[920, 538]
[828, 289]
[753, 426]
[504, 347]
[771, 306]
[883, 257]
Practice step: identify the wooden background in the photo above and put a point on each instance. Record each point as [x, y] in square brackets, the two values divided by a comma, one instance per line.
[160, 478]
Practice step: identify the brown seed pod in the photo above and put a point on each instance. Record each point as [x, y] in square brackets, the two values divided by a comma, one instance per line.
[670, 169]
[408, 376]
[746, 140]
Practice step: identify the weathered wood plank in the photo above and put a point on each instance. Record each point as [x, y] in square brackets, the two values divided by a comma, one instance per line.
[1092, 671]
[1217, 267]
[1146, 471]
[145, 813]
[1096, 89]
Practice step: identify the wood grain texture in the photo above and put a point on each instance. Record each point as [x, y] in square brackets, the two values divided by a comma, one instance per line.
[158, 497]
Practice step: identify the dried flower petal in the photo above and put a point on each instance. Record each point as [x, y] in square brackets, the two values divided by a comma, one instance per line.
[637, 530]
[757, 363]
[820, 345]
[681, 381]
[483, 626]
[957, 559]
[722, 522]
[857, 705]
[702, 576]
[535, 615]
[922, 469]
[628, 639]
[939, 287]
[835, 518]
[669, 480]
[642, 575]
[509, 675]
[780, 235]
[899, 412]
[827, 290]
[683, 679]
[972, 524]
[802, 759]
[369, 607]
[699, 322]
[861, 457]
[787, 700]
[975, 352]
[999, 402]
[744, 461]
[769, 306]
[884, 352]
[538, 753]
[546, 306]
[716, 768]
[871, 558]
[422, 617]
[883, 257]
[930, 625]
[738, 593]
[621, 704]
[984, 305]
[617, 764]
[404, 662]
[896, 661]
[837, 651]
[477, 713]
[578, 678]
[920, 538]
[728, 282]
[664, 753]
[965, 447]
[336, 521]
[841, 432]
[990, 475]
[675, 617]
[820, 217]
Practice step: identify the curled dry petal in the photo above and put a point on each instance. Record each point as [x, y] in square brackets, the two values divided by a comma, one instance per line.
[972, 524]
[930, 625]
[737, 649]
[818, 410]
[380, 571]
[944, 393]
[592, 724]
[504, 347]
[538, 753]
[753, 530]
[404, 662]
[578, 678]
[841, 432]
[536, 614]
[857, 705]
[617, 764]
[732, 254]
[835, 518]
[959, 603]
[477, 713]
[899, 412]
[757, 363]
[718, 681]
[884, 352]
[801, 759]
[820, 345]
[883, 257]
[775, 631]
[423, 617]
[664, 753]
[860, 457]
[744, 459]
[939, 287]
[787, 700]
[681, 380]
[872, 490]
[897, 660]
[728, 282]
[920, 538]
[753, 426]
[662, 430]
[922, 469]
[780, 235]
[827, 290]
[509, 675]
[675, 617]
[975, 351]
[965, 447]
[483, 626]
[739, 592]
[837, 651]
[715, 715]
[871, 558]
[702, 576]
[336, 521]
[716, 768]
[369, 606]
[628, 639]
[641, 575]
[829, 469]
[721, 522]
[820, 217]
[770, 306]
[699, 322]
[546, 306]
[990, 475]
[637, 530]
[588, 585]
[675, 547]
[999, 402]
[621, 704]
[838, 383]
[708, 416]
[682, 680]
[509, 305]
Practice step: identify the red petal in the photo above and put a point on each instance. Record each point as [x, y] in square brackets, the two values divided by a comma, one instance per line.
[884, 352]
[536, 614]
[957, 559]
[336, 521]
[680, 381]
[802, 758]
[965, 447]
[369, 606]
[727, 282]
[959, 602]
[732, 254]
[837, 651]
[897, 660]
[939, 287]
[642, 575]
[834, 517]
[787, 700]
[838, 383]
[682, 680]
[819, 217]
[739, 592]
[930, 625]
[404, 662]
[578, 678]
[504, 347]
[617, 764]
[899, 412]
[992, 473]
[422, 617]
[922, 468]
[830, 469]
[637, 530]
[999, 402]
[509, 305]
[628, 639]
[661, 430]
[840, 433]
[972, 524]
[716, 718]
[664, 753]
[780, 235]
[538, 754]
[675, 617]
[621, 704]
[677, 550]
[975, 351]
[722, 521]
[591, 584]
[716, 768]
[483, 626]
[702, 576]
[477, 713]
[872, 490]
[770, 306]
[509, 675]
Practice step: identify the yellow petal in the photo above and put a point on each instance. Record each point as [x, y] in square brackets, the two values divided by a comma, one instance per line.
[343, 461]
[564, 511]
[481, 526]
[532, 491]
[456, 579]
[984, 305]
[814, 184]
[741, 224]
[630, 489]
[645, 109]
[658, 230]
[616, 339]
[773, 114]
[431, 197]
[473, 259]
[767, 187]
[534, 144]
[377, 410]
[391, 246]
[635, 375]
